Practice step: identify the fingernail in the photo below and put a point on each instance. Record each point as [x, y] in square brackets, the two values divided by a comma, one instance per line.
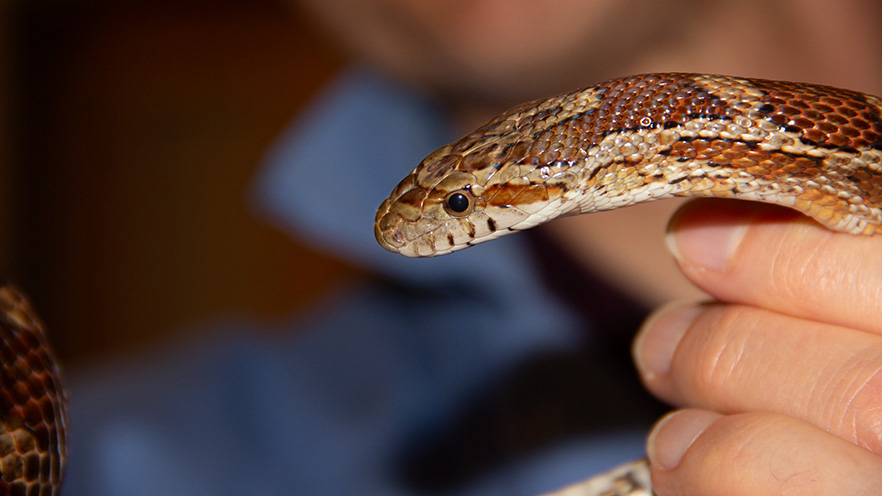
[705, 245]
[659, 336]
[674, 434]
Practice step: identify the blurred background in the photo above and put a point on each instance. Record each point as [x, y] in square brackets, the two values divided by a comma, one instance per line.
[129, 134]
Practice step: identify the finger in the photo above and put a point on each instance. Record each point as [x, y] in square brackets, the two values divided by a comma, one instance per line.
[734, 358]
[700, 452]
[767, 256]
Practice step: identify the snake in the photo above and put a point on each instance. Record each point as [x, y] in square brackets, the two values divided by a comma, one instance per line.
[813, 148]
[33, 402]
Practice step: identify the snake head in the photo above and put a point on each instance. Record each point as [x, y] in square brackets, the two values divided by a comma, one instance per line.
[480, 188]
[513, 173]
[434, 210]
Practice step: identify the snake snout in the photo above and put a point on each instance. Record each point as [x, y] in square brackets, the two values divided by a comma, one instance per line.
[386, 228]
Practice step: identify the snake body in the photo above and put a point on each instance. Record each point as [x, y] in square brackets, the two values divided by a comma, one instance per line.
[814, 148]
[33, 404]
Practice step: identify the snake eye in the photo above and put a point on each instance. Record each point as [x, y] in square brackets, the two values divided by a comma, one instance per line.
[459, 203]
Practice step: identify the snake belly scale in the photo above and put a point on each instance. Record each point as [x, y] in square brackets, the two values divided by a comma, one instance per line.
[814, 148]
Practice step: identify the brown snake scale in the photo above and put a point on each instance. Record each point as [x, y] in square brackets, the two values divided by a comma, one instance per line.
[33, 405]
[814, 148]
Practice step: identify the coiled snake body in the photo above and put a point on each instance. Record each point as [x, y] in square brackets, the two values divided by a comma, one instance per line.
[813, 148]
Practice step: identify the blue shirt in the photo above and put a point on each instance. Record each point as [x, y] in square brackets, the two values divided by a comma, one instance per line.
[329, 404]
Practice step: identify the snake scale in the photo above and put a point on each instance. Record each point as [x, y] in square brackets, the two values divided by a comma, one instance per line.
[33, 404]
[814, 148]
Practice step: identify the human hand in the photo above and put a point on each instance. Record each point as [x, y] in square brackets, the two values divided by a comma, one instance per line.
[781, 377]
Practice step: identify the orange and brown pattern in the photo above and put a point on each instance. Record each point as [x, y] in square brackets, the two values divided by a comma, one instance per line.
[33, 412]
[814, 148]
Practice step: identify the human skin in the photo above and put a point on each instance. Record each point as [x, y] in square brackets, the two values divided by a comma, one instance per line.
[788, 357]
[779, 380]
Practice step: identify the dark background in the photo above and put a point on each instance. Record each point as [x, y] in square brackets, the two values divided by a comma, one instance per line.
[129, 135]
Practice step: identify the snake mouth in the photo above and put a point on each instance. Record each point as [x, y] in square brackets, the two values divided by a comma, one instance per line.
[390, 240]
[391, 233]
[398, 235]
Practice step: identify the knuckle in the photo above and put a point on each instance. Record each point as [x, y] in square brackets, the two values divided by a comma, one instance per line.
[720, 354]
[866, 407]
